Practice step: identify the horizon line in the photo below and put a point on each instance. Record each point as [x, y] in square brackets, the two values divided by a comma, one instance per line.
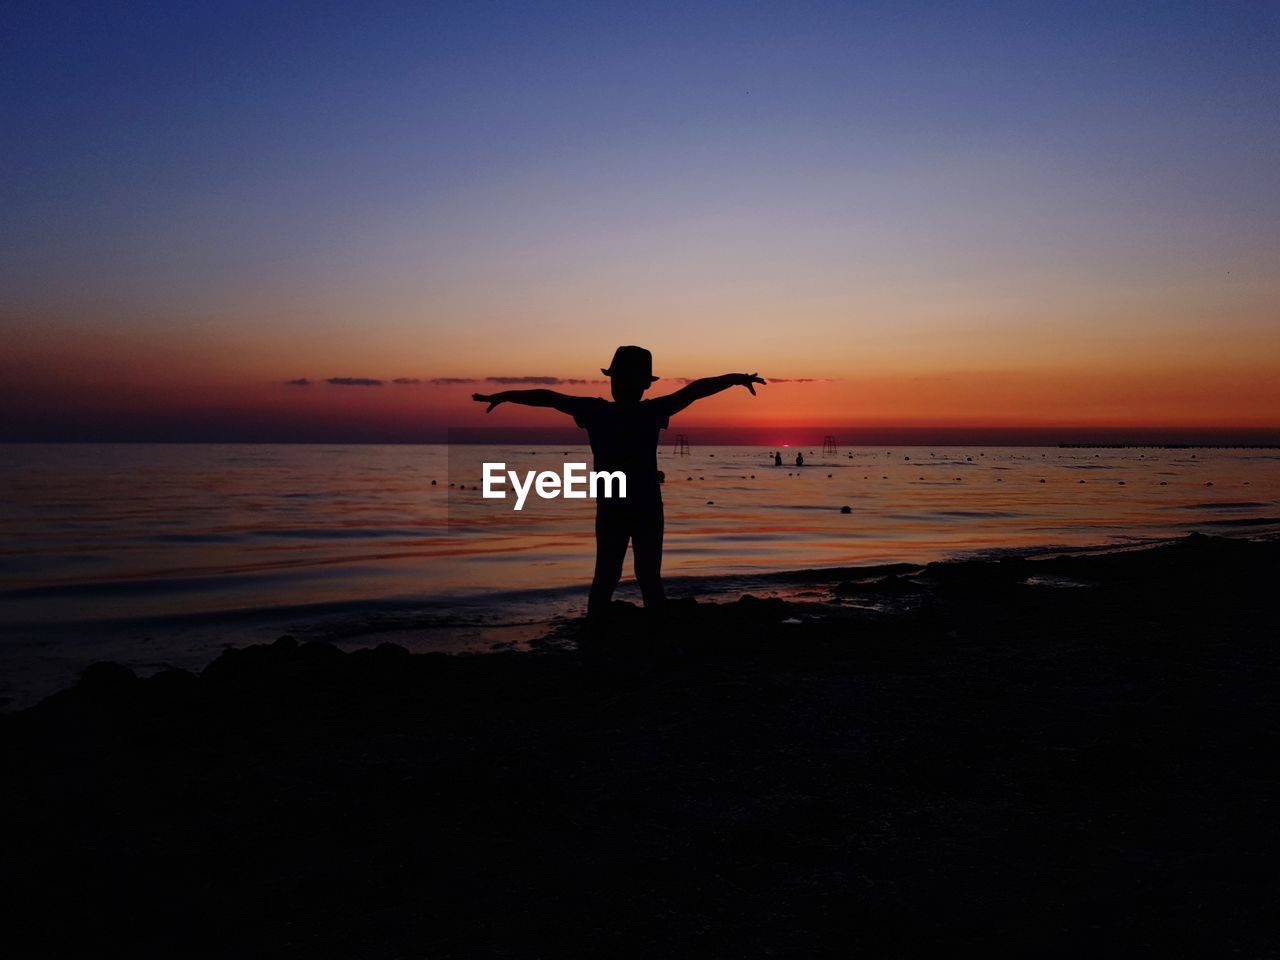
[1024, 436]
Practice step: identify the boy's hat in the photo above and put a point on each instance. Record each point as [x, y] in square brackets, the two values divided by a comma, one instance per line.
[631, 363]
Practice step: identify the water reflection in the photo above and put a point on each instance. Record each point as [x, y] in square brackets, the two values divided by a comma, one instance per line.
[100, 532]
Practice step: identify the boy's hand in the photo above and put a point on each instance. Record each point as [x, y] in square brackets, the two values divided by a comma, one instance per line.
[492, 399]
[749, 380]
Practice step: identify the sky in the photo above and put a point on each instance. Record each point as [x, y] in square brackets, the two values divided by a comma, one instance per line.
[1059, 217]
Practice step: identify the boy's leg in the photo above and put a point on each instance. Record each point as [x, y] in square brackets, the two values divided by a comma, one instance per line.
[612, 533]
[646, 547]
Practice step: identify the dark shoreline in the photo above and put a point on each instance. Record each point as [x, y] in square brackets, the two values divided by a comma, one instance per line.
[1045, 756]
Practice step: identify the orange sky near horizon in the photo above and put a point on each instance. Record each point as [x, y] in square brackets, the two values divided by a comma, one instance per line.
[210, 380]
[949, 365]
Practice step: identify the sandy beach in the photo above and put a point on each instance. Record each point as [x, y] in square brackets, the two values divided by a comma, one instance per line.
[1050, 757]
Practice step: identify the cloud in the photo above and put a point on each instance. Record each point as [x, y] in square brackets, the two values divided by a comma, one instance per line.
[508, 381]
[767, 379]
[540, 381]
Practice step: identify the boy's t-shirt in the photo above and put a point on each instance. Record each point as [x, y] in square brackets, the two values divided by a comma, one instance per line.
[625, 437]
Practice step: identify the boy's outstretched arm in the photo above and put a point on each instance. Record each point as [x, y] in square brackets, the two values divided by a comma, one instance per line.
[533, 398]
[707, 387]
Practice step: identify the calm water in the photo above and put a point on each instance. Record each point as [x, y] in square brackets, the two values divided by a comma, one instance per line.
[161, 553]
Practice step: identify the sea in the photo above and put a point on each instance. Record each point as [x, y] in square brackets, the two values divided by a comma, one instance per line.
[160, 555]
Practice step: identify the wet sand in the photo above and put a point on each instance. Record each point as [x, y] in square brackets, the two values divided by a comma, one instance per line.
[1039, 757]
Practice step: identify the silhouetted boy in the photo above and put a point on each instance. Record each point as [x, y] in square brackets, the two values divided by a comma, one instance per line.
[624, 436]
